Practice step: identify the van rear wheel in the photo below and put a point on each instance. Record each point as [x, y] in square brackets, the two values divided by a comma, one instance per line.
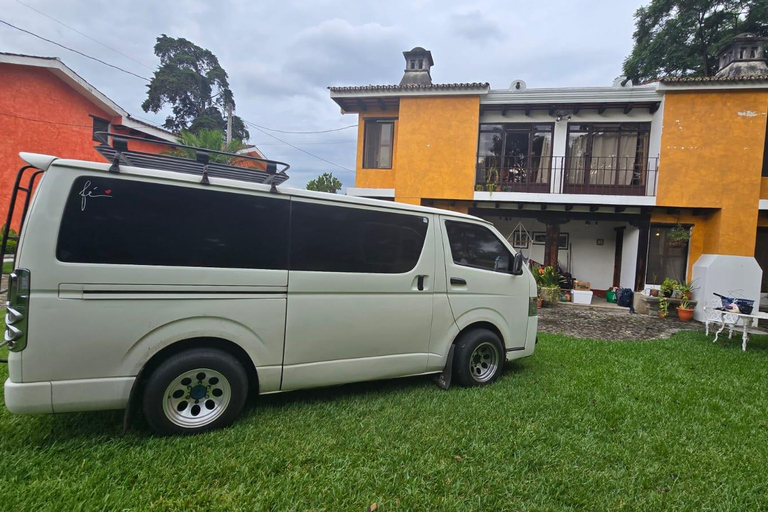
[195, 391]
[478, 358]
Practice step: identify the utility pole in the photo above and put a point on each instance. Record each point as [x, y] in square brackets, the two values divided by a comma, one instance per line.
[229, 124]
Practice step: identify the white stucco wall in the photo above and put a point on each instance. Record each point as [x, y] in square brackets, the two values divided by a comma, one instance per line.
[586, 260]
[629, 257]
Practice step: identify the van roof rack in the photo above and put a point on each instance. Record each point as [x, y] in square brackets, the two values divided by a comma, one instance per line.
[118, 153]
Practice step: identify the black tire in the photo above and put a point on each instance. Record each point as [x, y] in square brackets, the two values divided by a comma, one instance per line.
[478, 358]
[212, 385]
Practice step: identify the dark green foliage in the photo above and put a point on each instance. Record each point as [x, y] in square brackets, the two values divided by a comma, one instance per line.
[191, 79]
[677, 424]
[683, 37]
[208, 139]
[326, 182]
[10, 245]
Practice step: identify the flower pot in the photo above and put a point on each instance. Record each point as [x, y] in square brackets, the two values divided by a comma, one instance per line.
[538, 303]
[688, 295]
[654, 292]
[686, 315]
[549, 294]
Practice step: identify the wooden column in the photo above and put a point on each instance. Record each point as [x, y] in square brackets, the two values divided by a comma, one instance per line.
[618, 255]
[642, 254]
[551, 247]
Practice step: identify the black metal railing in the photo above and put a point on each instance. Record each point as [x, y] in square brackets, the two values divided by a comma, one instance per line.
[571, 175]
[512, 174]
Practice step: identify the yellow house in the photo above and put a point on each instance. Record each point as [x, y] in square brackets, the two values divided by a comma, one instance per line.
[599, 180]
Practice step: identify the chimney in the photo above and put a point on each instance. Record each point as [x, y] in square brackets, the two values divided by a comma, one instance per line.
[743, 56]
[417, 65]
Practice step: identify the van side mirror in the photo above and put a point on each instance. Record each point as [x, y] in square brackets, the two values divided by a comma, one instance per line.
[517, 265]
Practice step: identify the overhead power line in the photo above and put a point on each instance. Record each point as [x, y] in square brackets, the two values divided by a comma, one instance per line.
[303, 133]
[297, 148]
[75, 51]
[84, 35]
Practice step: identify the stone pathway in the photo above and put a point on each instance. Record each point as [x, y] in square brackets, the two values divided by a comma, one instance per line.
[609, 324]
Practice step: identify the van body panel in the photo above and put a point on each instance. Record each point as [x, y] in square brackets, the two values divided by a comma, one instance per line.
[28, 398]
[339, 316]
[483, 295]
[91, 394]
[331, 373]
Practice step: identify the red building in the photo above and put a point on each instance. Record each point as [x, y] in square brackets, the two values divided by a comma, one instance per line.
[45, 107]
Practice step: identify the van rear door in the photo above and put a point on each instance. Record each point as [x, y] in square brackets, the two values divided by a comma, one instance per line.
[359, 294]
[480, 288]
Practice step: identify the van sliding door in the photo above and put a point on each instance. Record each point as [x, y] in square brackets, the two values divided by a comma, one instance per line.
[359, 294]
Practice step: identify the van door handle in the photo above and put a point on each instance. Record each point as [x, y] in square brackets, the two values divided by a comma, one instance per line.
[457, 281]
[420, 283]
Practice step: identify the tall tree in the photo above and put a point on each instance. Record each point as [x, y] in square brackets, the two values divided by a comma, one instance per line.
[191, 79]
[326, 182]
[208, 139]
[683, 37]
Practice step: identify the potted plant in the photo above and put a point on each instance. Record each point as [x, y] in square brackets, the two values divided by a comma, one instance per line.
[685, 289]
[685, 310]
[663, 307]
[678, 236]
[547, 280]
[492, 179]
[668, 286]
[654, 291]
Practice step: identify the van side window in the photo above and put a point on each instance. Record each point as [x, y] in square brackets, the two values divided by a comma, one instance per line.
[121, 221]
[476, 246]
[328, 238]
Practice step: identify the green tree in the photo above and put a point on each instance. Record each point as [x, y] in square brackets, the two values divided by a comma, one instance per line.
[191, 79]
[326, 182]
[208, 139]
[683, 37]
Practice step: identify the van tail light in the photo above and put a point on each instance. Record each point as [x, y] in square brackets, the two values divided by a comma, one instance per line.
[17, 310]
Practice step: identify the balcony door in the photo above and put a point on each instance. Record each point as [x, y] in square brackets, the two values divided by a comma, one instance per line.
[514, 157]
[607, 159]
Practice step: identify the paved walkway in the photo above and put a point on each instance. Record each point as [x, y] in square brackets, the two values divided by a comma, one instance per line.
[612, 324]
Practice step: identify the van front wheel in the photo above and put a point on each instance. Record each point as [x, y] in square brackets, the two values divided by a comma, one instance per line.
[195, 391]
[478, 358]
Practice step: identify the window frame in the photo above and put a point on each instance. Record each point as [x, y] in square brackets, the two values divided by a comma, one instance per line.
[97, 119]
[366, 139]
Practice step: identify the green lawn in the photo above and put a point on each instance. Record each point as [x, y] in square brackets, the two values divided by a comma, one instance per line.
[7, 267]
[669, 424]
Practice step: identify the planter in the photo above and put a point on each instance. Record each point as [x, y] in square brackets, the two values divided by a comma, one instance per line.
[686, 315]
[688, 295]
[550, 295]
[538, 303]
[678, 243]
[654, 292]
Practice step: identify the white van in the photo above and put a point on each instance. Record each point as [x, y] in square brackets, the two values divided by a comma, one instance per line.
[139, 285]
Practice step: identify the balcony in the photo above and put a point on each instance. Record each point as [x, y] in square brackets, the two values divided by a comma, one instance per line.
[617, 176]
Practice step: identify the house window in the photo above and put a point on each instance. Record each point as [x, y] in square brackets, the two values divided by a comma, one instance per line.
[99, 125]
[607, 154]
[520, 152]
[665, 258]
[379, 139]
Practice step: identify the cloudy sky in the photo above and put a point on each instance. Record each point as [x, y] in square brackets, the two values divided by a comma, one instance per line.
[282, 55]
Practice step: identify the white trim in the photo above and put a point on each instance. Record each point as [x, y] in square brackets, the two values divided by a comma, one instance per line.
[545, 198]
[371, 192]
[128, 122]
[641, 93]
[763, 204]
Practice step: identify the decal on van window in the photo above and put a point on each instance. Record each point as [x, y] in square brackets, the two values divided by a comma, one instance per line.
[91, 191]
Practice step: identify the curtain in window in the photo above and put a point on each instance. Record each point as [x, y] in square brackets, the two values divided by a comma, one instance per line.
[545, 158]
[627, 157]
[577, 162]
[605, 149]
